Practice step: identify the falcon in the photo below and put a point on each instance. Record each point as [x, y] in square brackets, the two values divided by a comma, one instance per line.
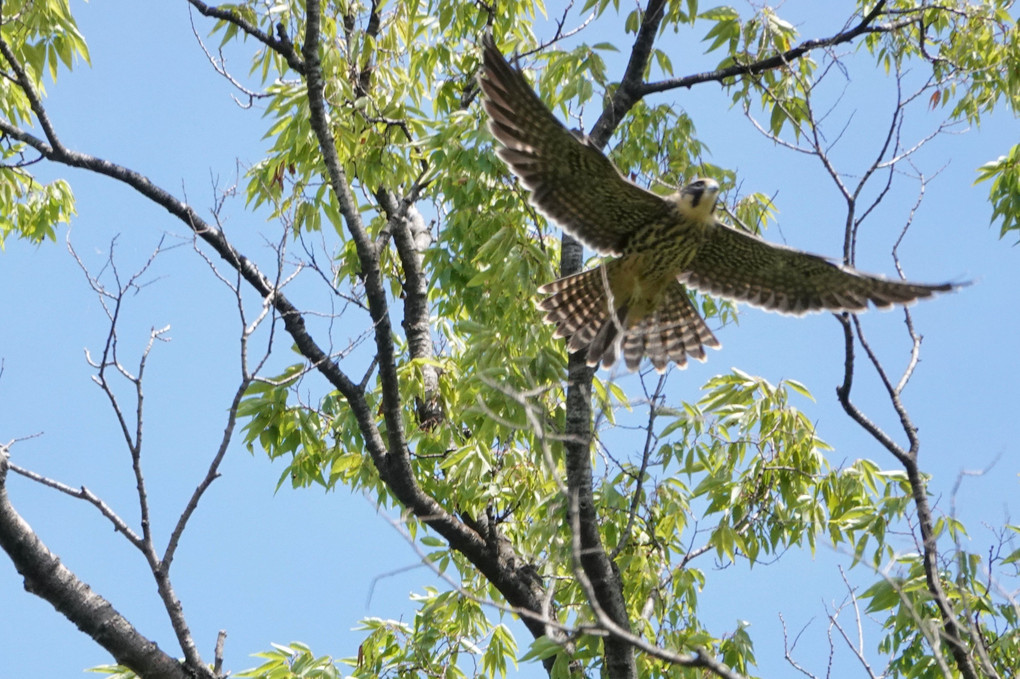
[637, 301]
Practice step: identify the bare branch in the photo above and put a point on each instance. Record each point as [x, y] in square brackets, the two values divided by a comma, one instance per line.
[211, 475]
[788, 648]
[46, 577]
[83, 493]
[221, 639]
[220, 66]
[857, 648]
[650, 442]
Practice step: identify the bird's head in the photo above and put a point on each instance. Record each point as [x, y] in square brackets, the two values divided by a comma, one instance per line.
[699, 196]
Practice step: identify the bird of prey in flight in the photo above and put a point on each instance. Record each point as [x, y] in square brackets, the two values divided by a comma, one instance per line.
[637, 302]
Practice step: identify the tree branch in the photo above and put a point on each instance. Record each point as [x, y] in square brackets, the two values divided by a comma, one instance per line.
[46, 577]
[778, 60]
[600, 570]
[395, 461]
[953, 632]
[83, 493]
[411, 237]
[280, 44]
[611, 630]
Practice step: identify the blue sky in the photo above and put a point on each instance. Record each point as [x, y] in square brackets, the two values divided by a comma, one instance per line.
[299, 565]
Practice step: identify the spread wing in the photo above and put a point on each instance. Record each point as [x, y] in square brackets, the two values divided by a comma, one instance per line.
[737, 265]
[571, 182]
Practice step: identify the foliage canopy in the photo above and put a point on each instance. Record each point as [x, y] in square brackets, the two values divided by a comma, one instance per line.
[430, 383]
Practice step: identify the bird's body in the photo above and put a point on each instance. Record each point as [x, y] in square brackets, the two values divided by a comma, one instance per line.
[637, 302]
[650, 307]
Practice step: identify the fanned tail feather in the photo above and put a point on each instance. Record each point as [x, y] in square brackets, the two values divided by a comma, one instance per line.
[580, 307]
[674, 332]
